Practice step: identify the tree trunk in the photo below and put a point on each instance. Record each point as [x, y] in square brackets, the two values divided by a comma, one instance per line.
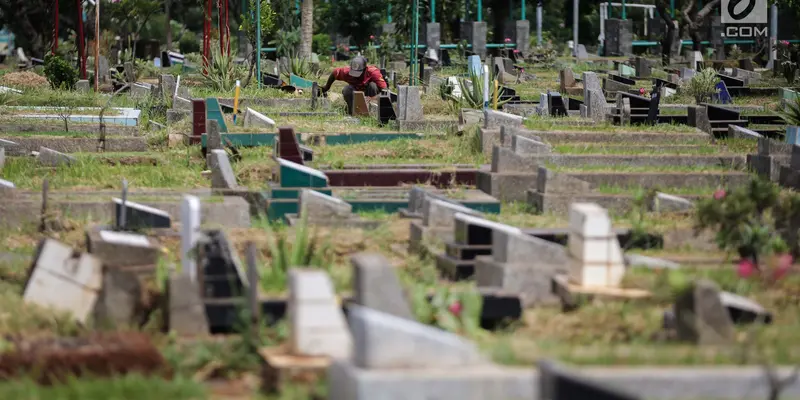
[306, 27]
[169, 26]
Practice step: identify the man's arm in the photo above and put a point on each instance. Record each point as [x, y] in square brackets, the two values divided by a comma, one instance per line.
[331, 79]
[377, 77]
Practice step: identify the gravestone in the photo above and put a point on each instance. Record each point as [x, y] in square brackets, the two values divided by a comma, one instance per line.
[222, 274]
[652, 112]
[190, 231]
[687, 73]
[701, 317]
[168, 85]
[522, 37]
[556, 383]
[626, 70]
[294, 175]
[475, 66]
[360, 107]
[213, 136]
[433, 36]
[64, 281]
[597, 105]
[130, 73]
[722, 95]
[83, 86]
[139, 216]
[495, 119]
[642, 67]
[317, 324]
[625, 111]
[385, 341]
[2, 157]
[122, 249]
[526, 147]
[319, 206]
[566, 79]
[409, 103]
[556, 105]
[386, 110]
[594, 247]
[186, 313]
[478, 38]
[591, 82]
[103, 73]
[663, 202]
[440, 213]
[376, 285]
[222, 176]
[253, 118]
[618, 37]
[551, 182]
[52, 158]
[581, 53]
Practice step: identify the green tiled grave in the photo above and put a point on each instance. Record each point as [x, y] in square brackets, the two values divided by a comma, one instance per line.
[293, 175]
[214, 111]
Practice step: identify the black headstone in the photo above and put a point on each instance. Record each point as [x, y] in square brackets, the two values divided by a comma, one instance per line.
[622, 79]
[556, 104]
[221, 276]
[385, 110]
[665, 83]
[731, 81]
[655, 98]
[270, 80]
[718, 113]
[138, 216]
[557, 383]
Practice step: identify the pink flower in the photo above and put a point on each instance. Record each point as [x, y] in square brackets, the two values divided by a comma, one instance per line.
[785, 42]
[455, 308]
[642, 91]
[371, 37]
[746, 268]
[719, 194]
[785, 261]
[508, 40]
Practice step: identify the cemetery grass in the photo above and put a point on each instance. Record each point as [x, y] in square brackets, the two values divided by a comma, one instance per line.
[629, 333]
[545, 123]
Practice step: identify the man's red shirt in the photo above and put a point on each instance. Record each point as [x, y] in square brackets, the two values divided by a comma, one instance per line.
[372, 74]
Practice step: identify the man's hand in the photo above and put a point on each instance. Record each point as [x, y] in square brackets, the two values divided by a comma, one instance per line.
[325, 89]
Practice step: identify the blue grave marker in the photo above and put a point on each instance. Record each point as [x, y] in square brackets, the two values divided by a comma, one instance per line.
[475, 66]
[723, 96]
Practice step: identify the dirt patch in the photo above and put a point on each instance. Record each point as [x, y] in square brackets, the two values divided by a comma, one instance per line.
[130, 160]
[24, 80]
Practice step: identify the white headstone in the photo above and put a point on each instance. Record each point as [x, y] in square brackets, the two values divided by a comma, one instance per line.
[317, 323]
[128, 239]
[594, 247]
[190, 231]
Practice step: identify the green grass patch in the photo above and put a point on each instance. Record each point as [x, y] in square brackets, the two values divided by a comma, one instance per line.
[639, 149]
[429, 150]
[128, 387]
[624, 168]
[544, 123]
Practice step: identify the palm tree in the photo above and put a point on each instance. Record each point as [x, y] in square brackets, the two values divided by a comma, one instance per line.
[306, 27]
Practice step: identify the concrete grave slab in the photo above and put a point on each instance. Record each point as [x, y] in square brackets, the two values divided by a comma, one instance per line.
[119, 303]
[360, 107]
[663, 202]
[637, 260]
[186, 313]
[441, 214]
[476, 231]
[549, 181]
[122, 249]
[376, 286]
[409, 103]
[701, 317]
[180, 103]
[594, 247]
[510, 246]
[64, 282]
[319, 206]
[318, 326]
[738, 132]
[496, 119]
[83, 86]
[222, 175]
[385, 341]
[253, 118]
[294, 175]
[52, 158]
[524, 146]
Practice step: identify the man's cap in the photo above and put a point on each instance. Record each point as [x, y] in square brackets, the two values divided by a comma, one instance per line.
[357, 66]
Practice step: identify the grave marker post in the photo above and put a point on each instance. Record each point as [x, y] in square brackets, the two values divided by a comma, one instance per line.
[123, 211]
[43, 222]
[190, 225]
[314, 94]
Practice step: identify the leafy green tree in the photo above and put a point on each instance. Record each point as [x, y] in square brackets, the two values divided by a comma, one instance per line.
[359, 19]
[248, 26]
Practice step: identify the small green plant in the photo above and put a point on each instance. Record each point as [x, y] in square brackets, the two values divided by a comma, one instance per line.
[450, 309]
[545, 55]
[59, 73]
[752, 220]
[307, 250]
[221, 73]
[702, 86]
[472, 92]
[302, 67]
[735, 53]
[286, 42]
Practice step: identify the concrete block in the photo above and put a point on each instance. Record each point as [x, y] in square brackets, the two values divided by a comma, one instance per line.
[222, 176]
[376, 286]
[52, 158]
[318, 327]
[253, 118]
[441, 214]
[524, 146]
[319, 206]
[122, 249]
[186, 313]
[509, 246]
[531, 281]
[385, 341]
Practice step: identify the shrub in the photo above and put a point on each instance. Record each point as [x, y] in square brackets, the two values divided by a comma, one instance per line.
[321, 43]
[703, 85]
[188, 44]
[450, 309]
[59, 73]
[789, 58]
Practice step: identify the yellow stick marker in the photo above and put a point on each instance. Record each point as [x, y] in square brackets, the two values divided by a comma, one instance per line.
[236, 97]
